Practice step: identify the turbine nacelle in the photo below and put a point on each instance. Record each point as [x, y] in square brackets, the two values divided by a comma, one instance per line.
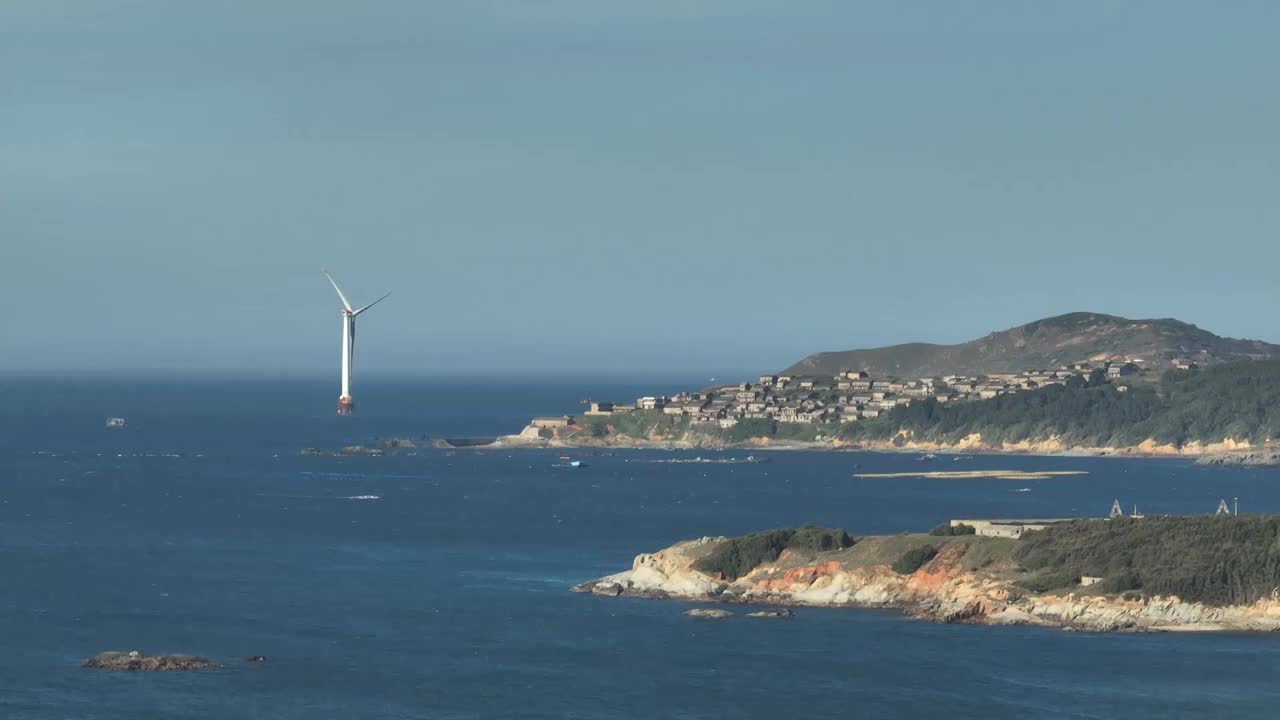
[346, 305]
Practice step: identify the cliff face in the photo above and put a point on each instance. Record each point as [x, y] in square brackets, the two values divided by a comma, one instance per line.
[942, 590]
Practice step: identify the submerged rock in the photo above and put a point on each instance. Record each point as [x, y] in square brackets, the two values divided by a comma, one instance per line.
[778, 613]
[136, 661]
[709, 613]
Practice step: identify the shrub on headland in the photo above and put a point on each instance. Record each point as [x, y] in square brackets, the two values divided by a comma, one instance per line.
[1216, 560]
[914, 559]
[1046, 581]
[738, 556]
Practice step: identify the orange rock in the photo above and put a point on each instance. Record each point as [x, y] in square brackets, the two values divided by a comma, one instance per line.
[805, 576]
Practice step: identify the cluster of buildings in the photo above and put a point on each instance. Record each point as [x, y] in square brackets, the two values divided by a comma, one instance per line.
[847, 397]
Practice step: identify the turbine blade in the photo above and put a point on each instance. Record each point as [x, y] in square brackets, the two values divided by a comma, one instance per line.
[345, 304]
[366, 307]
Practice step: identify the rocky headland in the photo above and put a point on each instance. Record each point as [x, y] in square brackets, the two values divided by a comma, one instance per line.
[969, 579]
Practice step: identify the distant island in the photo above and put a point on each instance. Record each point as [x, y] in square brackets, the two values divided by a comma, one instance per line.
[1125, 573]
[1080, 383]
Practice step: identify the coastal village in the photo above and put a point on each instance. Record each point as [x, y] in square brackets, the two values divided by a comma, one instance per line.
[849, 396]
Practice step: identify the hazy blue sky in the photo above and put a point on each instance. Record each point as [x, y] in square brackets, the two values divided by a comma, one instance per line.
[673, 184]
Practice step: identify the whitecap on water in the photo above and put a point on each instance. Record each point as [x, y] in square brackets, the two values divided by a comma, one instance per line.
[363, 497]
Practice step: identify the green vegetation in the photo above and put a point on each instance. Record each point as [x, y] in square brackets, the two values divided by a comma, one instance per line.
[1240, 401]
[739, 556]
[1049, 580]
[1045, 343]
[750, 428]
[806, 432]
[984, 552]
[1217, 560]
[949, 530]
[914, 559]
[638, 424]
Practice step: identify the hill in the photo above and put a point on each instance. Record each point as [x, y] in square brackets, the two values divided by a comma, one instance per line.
[1222, 409]
[1240, 401]
[1048, 343]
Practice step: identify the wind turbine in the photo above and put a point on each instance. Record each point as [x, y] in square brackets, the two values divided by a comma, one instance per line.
[345, 403]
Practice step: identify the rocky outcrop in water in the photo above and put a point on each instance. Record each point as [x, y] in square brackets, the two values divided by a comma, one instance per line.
[1259, 458]
[709, 613]
[772, 614]
[137, 662]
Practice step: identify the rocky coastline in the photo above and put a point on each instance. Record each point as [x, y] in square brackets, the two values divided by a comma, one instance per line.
[948, 589]
[1228, 452]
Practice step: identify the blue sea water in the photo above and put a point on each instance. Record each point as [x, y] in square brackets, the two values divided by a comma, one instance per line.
[201, 529]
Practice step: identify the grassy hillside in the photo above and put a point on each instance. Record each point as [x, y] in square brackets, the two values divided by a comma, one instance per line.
[1047, 343]
[1239, 401]
[1217, 560]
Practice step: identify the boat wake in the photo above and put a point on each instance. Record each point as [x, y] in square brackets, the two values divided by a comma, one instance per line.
[363, 497]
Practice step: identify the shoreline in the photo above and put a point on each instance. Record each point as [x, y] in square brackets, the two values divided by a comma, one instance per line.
[1226, 453]
[944, 589]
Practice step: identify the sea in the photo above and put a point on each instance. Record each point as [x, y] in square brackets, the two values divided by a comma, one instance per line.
[436, 584]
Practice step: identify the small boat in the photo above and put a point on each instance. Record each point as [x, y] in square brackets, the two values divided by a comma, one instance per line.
[929, 457]
[115, 422]
[569, 464]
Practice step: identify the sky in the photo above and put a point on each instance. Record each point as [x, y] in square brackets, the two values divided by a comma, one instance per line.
[554, 186]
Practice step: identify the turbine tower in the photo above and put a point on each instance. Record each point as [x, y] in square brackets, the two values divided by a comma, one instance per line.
[345, 403]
